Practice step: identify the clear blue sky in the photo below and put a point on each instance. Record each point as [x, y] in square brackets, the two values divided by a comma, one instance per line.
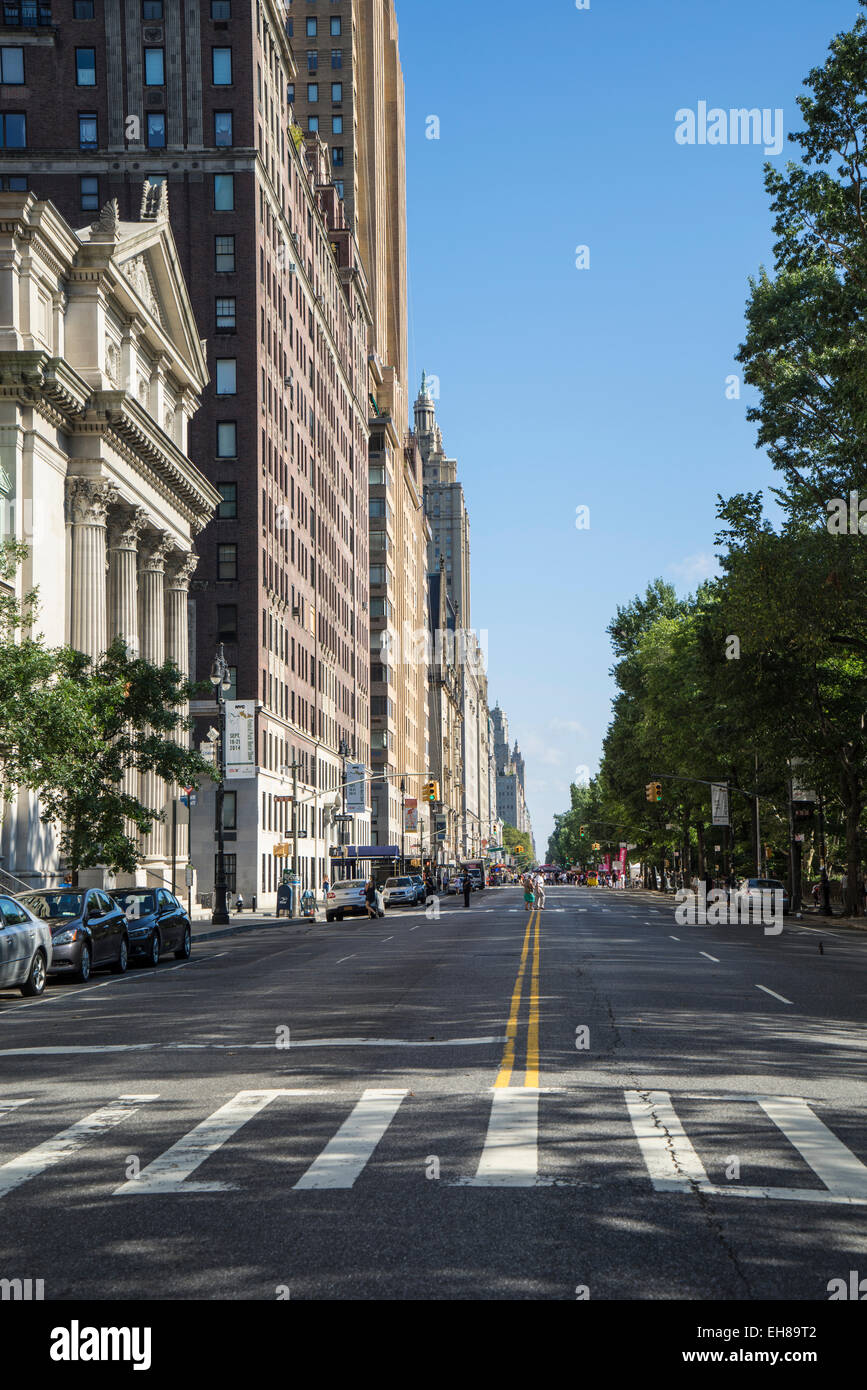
[603, 387]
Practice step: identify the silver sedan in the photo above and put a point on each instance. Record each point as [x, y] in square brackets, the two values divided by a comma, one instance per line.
[25, 948]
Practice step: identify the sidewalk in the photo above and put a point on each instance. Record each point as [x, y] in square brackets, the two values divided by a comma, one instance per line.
[204, 930]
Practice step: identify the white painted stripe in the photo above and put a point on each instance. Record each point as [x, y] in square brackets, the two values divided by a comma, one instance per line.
[388, 938]
[344, 1157]
[68, 1142]
[773, 992]
[343, 958]
[674, 938]
[510, 1156]
[715, 959]
[250, 1047]
[7, 1106]
[831, 1161]
[780, 1194]
[672, 1162]
[169, 1172]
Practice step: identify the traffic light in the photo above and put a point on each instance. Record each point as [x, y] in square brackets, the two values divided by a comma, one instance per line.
[431, 792]
[582, 832]
[650, 791]
[657, 787]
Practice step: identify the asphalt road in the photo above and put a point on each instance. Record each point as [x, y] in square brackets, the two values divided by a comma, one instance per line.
[467, 1105]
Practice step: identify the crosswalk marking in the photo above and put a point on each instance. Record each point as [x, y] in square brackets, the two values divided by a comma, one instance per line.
[672, 1162]
[345, 1156]
[69, 1141]
[169, 1172]
[829, 1158]
[510, 1157]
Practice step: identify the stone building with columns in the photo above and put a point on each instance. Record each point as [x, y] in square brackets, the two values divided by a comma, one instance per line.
[101, 371]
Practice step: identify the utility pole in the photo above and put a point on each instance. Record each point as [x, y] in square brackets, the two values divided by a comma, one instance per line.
[826, 887]
[403, 825]
[292, 893]
[221, 680]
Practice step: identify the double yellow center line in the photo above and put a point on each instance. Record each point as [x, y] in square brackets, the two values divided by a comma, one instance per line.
[531, 1075]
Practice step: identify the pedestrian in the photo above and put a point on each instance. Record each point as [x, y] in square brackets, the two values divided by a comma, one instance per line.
[325, 887]
[539, 894]
[239, 904]
[815, 892]
[370, 899]
[467, 885]
[429, 887]
[253, 903]
[529, 893]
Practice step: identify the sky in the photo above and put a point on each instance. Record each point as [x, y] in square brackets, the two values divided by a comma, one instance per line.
[607, 386]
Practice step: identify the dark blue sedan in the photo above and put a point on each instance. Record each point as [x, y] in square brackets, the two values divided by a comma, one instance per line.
[156, 923]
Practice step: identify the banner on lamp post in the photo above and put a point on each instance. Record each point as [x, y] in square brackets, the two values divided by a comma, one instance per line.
[240, 739]
[356, 788]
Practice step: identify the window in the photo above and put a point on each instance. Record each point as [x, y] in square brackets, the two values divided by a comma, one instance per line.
[152, 9]
[221, 66]
[312, 61]
[13, 183]
[338, 184]
[226, 376]
[313, 123]
[227, 622]
[312, 91]
[230, 862]
[378, 574]
[224, 253]
[337, 156]
[222, 127]
[154, 69]
[13, 131]
[12, 65]
[337, 57]
[88, 188]
[290, 92]
[377, 506]
[230, 810]
[13, 915]
[227, 562]
[82, 9]
[337, 125]
[227, 439]
[228, 508]
[87, 132]
[156, 130]
[311, 28]
[337, 91]
[85, 67]
[232, 692]
[221, 9]
[226, 314]
[335, 24]
[224, 192]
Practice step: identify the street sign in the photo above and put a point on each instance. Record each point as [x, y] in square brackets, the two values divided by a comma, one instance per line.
[188, 875]
[719, 800]
[208, 751]
[282, 851]
[356, 787]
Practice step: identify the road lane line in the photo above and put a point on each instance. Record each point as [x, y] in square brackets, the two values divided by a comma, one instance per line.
[672, 1162]
[675, 938]
[344, 1157]
[510, 1157]
[715, 959]
[508, 1060]
[170, 1171]
[7, 1106]
[67, 1142]
[387, 938]
[343, 958]
[531, 1075]
[831, 1161]
[781, 997]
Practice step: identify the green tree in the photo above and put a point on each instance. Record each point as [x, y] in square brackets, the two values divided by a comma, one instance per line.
[512, 838]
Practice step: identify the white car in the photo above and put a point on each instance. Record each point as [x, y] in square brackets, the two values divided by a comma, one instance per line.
[25, 948]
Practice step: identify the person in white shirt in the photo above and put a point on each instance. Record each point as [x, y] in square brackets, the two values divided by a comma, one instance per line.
[539, 884]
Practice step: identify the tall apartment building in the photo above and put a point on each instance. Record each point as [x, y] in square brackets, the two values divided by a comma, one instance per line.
[511, 795]
[349, 90]
[200, 95]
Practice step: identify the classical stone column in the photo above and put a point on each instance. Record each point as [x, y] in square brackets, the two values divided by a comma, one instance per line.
[152, 640]
[179, 573]
[89, 501]
[124, 528]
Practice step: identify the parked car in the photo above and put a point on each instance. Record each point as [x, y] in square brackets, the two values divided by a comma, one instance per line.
[346, 896]
[88, 930]
[156, 923]
[25, 948]
[754, 887]
[420, 894]
[399, 890]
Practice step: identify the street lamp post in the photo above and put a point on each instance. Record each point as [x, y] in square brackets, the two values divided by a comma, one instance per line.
[221, 681]
[403, 825]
